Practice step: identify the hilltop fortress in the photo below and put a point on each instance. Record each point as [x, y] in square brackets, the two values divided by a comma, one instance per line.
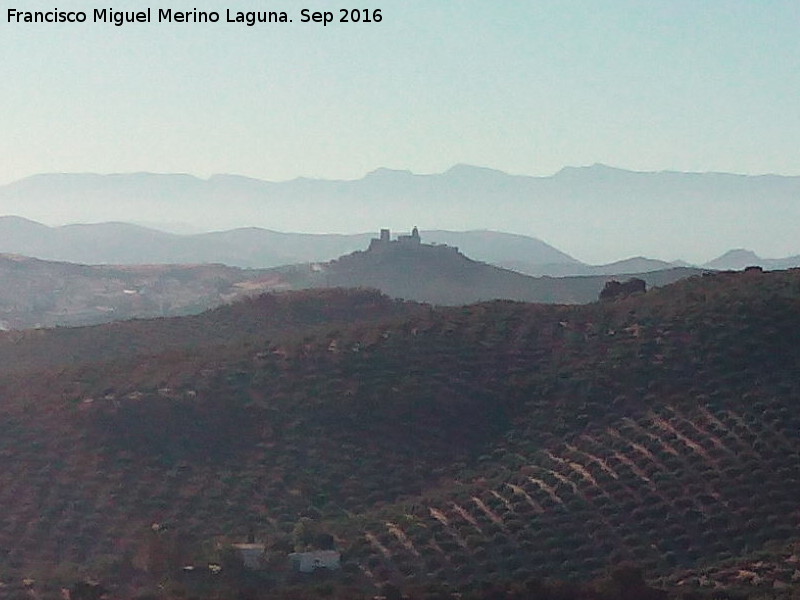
[410, 242]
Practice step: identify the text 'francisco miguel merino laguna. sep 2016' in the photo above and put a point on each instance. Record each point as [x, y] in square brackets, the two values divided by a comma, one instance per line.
[169, 15]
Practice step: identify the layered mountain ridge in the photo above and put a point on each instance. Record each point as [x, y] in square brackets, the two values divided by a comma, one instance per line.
[599, 213]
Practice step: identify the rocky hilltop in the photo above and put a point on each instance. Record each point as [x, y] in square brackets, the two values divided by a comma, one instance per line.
[407, 267]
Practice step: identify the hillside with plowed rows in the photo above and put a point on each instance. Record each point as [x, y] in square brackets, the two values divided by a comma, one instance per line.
[462, 447]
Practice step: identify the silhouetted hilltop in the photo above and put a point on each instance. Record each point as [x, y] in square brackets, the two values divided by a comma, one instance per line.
[740, 258]
[439, 274]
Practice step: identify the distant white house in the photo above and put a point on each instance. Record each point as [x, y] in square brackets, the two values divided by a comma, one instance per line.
[308, 562]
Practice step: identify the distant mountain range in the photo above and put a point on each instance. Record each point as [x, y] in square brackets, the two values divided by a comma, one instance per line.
[252, 247]
[124, 243]
[599, 213]
[740, 258]
[637, 264]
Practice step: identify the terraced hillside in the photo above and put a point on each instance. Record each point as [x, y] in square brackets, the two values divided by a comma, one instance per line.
[468, 446]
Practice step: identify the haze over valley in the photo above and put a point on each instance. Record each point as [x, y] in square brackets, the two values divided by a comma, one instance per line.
[596, 214]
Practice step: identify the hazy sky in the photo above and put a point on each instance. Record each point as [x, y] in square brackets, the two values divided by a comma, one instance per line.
[523, 86]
